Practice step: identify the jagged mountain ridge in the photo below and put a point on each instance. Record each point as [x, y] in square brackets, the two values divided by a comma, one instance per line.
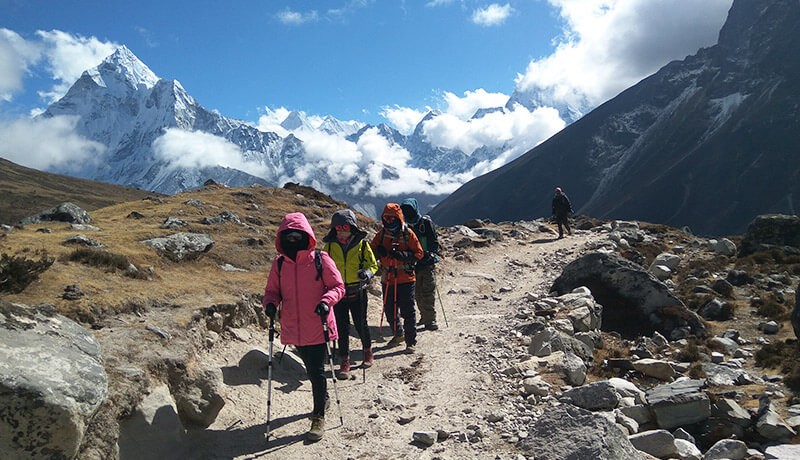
[708, 142]
[125, 107]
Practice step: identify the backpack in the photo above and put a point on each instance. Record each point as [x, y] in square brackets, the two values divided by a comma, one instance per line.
[317, 262]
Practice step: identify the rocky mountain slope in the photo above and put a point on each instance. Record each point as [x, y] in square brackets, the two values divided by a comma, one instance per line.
[708, 142]
[523, 356]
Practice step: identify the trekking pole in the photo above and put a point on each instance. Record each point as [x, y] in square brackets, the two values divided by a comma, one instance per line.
[396, 316]
[436, 281]
[383, 310]
[361, 303]
[269, 372]
[333, 376]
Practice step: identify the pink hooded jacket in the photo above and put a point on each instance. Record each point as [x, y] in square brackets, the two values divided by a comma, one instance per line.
[297, 291]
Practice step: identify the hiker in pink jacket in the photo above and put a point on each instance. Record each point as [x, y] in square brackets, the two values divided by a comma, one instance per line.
[305, 284]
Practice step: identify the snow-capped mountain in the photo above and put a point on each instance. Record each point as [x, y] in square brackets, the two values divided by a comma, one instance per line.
[157, 137]
[708, 142]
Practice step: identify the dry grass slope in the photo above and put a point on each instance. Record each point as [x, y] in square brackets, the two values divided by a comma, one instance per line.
[248, 245]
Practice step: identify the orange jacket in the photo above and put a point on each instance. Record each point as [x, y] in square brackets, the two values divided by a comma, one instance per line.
[403, 240]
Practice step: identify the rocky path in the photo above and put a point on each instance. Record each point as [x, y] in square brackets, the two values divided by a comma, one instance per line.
[447, 387]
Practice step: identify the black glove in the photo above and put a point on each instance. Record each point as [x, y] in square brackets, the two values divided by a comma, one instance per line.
[402, 255]
[380, 251]
[271, 310]
[365, 274]
[322, 309]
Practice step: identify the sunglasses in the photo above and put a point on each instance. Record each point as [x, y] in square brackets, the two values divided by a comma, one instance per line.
[343, 228]
[389, 218]
[293, 237]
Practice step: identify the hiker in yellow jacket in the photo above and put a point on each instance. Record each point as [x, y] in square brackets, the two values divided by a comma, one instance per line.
[353, 256]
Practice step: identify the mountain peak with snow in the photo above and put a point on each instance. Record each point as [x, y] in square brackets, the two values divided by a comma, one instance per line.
[124, 66]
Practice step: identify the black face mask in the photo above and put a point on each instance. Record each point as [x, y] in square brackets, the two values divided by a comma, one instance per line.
[291, 243]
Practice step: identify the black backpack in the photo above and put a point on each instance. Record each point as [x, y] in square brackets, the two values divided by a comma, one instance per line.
[317, 262]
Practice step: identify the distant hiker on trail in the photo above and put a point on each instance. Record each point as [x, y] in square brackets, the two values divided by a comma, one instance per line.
[399, 250]
[425, 288]
[562, 208]
[354, 258]
[304, 283]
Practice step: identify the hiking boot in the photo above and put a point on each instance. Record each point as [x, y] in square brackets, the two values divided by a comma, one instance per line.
[368, 358]
[410, 349]
[344, 369]
[317, 429]
[431, 326]
[396, 340]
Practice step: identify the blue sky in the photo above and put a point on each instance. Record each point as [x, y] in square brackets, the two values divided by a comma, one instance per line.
[369, 61]
[350, 59]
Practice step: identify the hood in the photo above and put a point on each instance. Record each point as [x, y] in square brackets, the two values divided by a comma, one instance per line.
[295, 221]
[393, 209]
[341, 217]
[411, 203]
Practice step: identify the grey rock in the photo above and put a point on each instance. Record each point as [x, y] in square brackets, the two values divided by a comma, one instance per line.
[679, 403]
[198, 397]
[686, 450]
[181, 246]
[724, 247]
[731, 410]
[427, 438]
[782, 452]
[633, 299]
[771, 230]
[65, 212]
[173, 222]
[567, 431]
[656, 368]
[658, 443]
[52, 382]
[627, 389]
[716, 310]
[153, 428]
[594, 396]
[771, 426]
[680, 433]
[730, 449]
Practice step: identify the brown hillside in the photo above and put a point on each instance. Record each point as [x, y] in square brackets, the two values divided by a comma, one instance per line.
[248, 245]
[26, 191]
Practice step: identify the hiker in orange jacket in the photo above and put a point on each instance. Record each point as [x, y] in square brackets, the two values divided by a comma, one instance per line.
[398, 250]
[305, 284]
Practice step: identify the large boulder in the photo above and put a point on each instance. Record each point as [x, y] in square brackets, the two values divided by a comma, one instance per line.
[65, 212]
[568, 431]
[52, 382]
[796, 313]
[679, 403]
[181, 246]
[634, 302]
[770, 231]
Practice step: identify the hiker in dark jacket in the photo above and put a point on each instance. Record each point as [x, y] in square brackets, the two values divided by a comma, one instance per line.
[347, 247]
[425, 288]
[398, 250]
[304, 287]
[562, 208]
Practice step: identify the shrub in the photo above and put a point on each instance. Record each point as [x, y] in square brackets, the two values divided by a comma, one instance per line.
[774, 354]
[17, 272]
[689, 354]
[770, 308]
[98, 258]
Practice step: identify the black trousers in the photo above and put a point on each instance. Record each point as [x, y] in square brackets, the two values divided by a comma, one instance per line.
[313, 357]
[357, 308]
[563, 220]
[404, 306]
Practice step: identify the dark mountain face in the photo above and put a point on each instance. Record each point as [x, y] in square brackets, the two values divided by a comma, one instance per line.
[708, 142]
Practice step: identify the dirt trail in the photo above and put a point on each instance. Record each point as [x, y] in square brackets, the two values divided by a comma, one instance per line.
[441, 387]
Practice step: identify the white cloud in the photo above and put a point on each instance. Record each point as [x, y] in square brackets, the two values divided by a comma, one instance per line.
[609, 45]
[465, 107]
[271, 121]
[517, 127]
[403, 119]
[16, 55]
[196, 149]
[47, 144]
[68, 56]
[295, 18]
[493, 15]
